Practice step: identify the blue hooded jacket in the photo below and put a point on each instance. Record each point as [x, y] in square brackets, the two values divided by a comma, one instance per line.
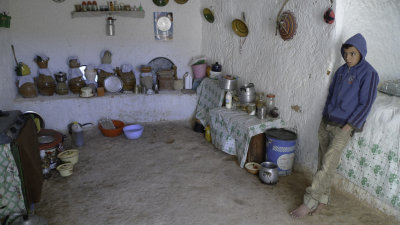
[353, 90]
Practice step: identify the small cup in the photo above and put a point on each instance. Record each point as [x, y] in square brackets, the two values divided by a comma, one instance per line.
[100, 91]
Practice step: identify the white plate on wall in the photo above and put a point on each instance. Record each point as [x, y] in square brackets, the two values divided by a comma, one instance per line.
[164, 23]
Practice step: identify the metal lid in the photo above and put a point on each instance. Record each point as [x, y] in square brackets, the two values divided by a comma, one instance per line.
[113, 84]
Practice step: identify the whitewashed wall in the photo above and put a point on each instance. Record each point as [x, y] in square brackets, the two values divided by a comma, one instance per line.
[379, 22]
[7, 87]
[294, 70]
[47, 27]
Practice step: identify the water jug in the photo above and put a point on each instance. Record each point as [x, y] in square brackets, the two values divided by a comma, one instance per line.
[77, 134]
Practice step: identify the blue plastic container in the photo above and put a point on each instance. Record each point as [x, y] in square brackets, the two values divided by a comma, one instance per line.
[133, 131]
[281, 144]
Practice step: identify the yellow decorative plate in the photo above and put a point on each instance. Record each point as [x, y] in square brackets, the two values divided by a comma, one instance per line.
[240, 28]
[181, 1]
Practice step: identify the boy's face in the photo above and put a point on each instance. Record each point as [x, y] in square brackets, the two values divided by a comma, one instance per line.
[352, 56]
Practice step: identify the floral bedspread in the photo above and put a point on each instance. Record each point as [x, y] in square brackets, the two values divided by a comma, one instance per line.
[372, 158]
[11, 197]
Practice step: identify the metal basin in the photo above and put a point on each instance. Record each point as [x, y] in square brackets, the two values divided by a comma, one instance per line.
[228, 82]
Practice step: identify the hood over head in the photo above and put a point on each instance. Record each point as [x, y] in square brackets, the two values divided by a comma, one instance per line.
[359, 42]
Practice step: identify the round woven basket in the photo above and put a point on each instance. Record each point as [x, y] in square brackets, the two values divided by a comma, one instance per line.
[65, 169]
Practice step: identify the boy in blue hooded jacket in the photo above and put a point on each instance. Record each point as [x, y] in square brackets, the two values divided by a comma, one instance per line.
[351, 94]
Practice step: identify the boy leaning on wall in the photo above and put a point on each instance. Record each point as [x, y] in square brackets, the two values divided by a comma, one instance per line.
[351, 94]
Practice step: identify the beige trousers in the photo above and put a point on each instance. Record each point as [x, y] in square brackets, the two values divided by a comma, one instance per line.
[332, 141]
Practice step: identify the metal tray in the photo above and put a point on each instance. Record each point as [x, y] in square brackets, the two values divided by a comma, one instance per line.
[113, 84]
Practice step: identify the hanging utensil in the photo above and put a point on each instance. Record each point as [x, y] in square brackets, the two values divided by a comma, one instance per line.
[15, 58]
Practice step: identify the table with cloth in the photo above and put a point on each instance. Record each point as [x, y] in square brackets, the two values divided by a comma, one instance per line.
[210, 96]
[232, 130]
[372, 158]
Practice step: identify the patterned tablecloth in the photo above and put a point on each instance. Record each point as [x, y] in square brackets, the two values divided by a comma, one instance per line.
[210, 96]
[372, 158]
[231, 130]
[11, 197]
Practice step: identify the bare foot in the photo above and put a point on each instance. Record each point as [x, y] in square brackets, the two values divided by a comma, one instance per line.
[318, 209]
[300, 212]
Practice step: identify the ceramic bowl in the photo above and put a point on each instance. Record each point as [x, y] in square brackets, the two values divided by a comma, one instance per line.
[113, 132]
[240, 28]
[252, 167]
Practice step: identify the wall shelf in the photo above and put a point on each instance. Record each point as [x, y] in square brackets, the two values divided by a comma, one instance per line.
[133, 14]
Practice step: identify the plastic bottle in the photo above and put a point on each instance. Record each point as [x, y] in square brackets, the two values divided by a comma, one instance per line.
[228, 100]
[77, 134]
[208, 133]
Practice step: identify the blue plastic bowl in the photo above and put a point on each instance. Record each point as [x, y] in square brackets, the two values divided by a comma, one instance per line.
[133, 131]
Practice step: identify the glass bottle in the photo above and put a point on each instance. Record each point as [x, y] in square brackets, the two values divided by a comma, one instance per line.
[270, 103]
[260, 99]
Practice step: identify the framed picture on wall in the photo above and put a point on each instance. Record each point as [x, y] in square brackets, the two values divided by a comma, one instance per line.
[163, 25]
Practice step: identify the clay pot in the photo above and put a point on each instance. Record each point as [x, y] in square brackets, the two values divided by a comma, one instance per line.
[28, 90]
[102, 76]
[46, 85]
[73, 63]
[106, 59]
[128, 80]
[75, 84]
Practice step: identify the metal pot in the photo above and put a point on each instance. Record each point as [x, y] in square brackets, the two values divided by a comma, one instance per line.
[268, 173]
[228, 82]
[247, 93]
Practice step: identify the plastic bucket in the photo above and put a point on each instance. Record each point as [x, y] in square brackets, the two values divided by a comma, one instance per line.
[199, 70]
[280, 147]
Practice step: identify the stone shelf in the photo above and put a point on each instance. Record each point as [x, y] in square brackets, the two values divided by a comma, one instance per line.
[133, 14]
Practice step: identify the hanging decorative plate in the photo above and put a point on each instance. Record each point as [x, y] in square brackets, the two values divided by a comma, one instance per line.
[287, 25]
[163, 23]
[181, 1]
[160, 2]
[209, 15]
[240, 28]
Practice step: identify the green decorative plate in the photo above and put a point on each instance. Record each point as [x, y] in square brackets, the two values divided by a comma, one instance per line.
[209, 15]
[160, 2]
